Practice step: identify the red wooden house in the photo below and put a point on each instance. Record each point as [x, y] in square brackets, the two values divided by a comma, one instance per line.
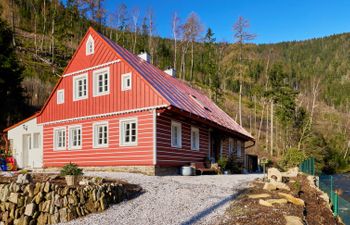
[113, 109]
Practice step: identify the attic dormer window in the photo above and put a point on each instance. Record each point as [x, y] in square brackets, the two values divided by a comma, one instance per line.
[199, 102]
[90, 46]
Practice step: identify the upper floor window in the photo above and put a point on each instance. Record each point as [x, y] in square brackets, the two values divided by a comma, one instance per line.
[90, 46]
[176, 134]
[101, 134]
[194, 138]
[75, 137]
[128, 132]
[126, 81]
[60, 138]
[60, 96]
[80, 87]
[101, 81]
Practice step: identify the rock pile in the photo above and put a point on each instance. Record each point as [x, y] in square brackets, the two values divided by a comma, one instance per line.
[26, 203]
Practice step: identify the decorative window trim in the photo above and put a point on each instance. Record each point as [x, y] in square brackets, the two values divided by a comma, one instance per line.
[89, 41]
[195, 129]
[60, 96]
[121, 133]
[95, 133]
[179, 141]
[123, 85]
[75, 78]
[55, 143]
[95, 75]
[70, 147]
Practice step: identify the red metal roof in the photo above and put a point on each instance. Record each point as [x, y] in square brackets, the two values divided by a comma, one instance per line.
[178, 93]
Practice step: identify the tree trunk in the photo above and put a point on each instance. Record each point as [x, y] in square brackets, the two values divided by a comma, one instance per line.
[192, 60]
[271, 132]
[13, 23]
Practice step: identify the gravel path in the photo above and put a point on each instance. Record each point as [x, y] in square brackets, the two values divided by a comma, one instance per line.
[171, 200]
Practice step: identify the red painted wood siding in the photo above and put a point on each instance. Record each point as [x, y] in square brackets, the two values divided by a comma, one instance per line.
[141, 95]
[170, 156]
[114, 155]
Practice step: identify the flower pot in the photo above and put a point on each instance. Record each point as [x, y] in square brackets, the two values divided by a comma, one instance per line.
[71, 180]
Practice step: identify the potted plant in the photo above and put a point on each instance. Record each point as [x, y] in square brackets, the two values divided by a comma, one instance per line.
[71, 172]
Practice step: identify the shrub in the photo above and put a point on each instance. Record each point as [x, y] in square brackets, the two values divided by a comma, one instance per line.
[223, 163]
[71, 169]
[292, 158]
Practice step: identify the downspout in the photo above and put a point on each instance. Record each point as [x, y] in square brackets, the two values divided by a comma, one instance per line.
[6, 142]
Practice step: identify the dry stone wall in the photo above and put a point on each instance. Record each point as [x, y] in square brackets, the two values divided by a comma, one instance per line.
[49, 203]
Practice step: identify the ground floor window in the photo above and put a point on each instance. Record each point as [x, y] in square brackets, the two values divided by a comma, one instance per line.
[194, 138]
[75, 137]
[60, 138]
[101, 134]
[128, 132]
[36, 140]
[176, 134]
[230, 146]
[239, 148]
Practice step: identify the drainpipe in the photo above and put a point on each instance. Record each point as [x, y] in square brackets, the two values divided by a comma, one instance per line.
[6, 142]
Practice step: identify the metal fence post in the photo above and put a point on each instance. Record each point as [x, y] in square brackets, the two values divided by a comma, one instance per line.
[335, 205]
[331, 186]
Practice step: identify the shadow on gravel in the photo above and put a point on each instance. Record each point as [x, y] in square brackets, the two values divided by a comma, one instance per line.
[194, 219]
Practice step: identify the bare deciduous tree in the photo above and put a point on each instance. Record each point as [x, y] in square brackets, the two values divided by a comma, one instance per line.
[175, 25]
[241, 36]
[135, 17]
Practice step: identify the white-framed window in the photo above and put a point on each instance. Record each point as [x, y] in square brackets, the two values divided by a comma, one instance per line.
[80, 87]
[176, 134]
[101, 81]
[60, 96]
[230, 146]
[128, 132]
[90, 46]
[239, 148]
[126, 81]
[60, 138]
[36, 140]
[75, 137]
[100, 135]
[194, 138]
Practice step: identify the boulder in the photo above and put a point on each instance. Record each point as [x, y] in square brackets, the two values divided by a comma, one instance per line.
[277, 201]
[264, 203]
[269, 186]
[292, 199]
[274, 174]
[293, 220]
[280, 185]
[259, 196]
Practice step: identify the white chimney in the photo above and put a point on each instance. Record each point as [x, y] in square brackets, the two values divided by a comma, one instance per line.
[145, 56]
[171, 72]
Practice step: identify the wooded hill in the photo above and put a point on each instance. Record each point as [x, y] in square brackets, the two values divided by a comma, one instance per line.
[295, 95]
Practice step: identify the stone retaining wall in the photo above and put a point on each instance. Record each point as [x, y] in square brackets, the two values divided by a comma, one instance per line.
[49, 203]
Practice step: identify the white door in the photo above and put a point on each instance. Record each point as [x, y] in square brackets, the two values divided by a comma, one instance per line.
[27, 146]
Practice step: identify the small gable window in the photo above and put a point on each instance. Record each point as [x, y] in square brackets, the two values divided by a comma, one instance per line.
[126, 81]
[60, 96]
[90, 46]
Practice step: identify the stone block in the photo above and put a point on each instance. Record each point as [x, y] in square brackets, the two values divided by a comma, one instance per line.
[29, 210]
[274, 174]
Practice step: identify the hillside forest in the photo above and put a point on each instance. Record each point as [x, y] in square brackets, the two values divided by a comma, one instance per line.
[292, 96]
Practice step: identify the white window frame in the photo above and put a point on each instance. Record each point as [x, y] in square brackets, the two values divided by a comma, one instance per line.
[96, 74]
[60, 96]
[239, 148]
[122, 134]
[55, 141]
[89, 41]
[123, 84]
[70, 139]
[36, 140]
[179, 136]
[96, 137]
[196, 130]
[230, 146]
[75, 90]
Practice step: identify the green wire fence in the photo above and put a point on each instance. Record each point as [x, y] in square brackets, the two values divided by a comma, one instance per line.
[340, 206]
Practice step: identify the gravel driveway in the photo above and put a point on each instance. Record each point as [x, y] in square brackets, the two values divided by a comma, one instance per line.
[171, 199]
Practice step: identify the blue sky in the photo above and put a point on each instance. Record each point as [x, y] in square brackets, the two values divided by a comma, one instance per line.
[271, 20]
